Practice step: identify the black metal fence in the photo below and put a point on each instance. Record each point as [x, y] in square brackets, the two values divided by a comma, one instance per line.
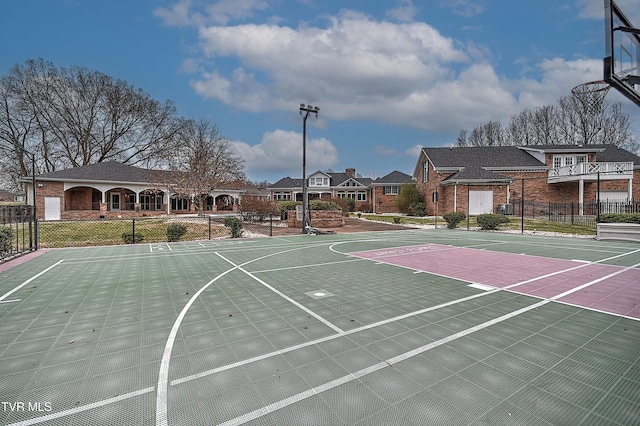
[18, 231]
[573, 213]
[77, 233]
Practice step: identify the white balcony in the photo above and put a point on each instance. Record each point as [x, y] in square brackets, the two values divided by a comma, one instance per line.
[590, 172]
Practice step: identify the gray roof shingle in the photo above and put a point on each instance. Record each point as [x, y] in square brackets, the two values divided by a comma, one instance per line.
[111, 171]
[484, 156]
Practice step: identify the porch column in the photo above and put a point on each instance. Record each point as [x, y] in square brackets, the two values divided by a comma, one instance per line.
[581, 196]
[508, 193]
[168, 195]
[455, 197]
[630, 190]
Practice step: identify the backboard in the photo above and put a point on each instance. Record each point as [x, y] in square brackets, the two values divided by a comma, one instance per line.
[622, 61]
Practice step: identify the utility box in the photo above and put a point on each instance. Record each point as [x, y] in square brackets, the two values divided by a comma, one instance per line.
[506, 209]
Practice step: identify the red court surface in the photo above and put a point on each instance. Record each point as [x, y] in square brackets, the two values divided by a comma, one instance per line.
[596, 286]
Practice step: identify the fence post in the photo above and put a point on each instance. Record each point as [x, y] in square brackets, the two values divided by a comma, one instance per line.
[572, 213]
[209, 227]
[133, 231]
[271, 224]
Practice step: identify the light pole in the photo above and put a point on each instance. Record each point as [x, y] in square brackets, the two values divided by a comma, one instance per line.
[308, 109]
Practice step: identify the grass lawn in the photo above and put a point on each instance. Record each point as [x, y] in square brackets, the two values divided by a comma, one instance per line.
[514, 223]
[110, 232]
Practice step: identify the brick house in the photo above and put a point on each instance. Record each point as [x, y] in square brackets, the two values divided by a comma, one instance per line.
[486, 179]
[377, 196]
[114, 190]
[385, 190]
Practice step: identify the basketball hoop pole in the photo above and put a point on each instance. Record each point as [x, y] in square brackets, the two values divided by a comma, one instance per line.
[305, 196]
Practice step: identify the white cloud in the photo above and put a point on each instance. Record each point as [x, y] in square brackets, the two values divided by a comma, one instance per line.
[177, 16]
[414, 152]
[184, 12]
[404, 12]
[466, 8]
[384, 150]
[280, 151]
[405, 74]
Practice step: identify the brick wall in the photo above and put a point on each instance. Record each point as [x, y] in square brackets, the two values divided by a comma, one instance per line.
[319, 219]
[384, 203]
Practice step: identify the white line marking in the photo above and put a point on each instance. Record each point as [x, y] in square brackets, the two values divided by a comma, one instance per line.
[596, 281]
[163, 374]
[284, 296]
[76, 410]
[482, 287]
[327, 338]
[10, 301]
[368, 370]
[10, 292]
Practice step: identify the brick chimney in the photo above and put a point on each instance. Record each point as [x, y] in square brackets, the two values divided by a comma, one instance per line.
[351, 173]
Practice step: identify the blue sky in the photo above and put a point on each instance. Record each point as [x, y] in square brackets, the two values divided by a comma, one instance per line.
[389, 76]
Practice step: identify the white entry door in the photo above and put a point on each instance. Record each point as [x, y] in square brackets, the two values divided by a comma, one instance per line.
[51, 208]
[480, 202]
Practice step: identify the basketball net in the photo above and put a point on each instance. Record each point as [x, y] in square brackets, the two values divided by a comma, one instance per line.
[591, 95]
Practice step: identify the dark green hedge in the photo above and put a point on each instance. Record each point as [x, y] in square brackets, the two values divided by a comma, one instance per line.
[620, 218]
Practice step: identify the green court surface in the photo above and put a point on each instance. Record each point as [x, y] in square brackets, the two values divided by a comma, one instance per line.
[300, 331]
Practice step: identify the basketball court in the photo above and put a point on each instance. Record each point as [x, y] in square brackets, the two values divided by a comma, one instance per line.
[401, 327]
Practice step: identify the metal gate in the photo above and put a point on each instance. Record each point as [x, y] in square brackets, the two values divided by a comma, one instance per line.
[18, 231]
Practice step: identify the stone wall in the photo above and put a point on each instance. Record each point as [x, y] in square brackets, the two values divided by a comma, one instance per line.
[319, 219]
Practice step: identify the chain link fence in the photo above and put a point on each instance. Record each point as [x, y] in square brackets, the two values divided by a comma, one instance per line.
[17, 231]
[78, 233]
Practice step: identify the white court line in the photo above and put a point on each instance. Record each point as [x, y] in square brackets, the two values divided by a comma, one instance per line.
[402, 357]
[285, 297]
[163, 374]
[368, 370]
[76, 410]
[327, 338]
[10, 292]
[10, 301]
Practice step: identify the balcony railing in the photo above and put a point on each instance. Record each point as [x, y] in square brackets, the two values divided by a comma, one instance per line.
[590, 171]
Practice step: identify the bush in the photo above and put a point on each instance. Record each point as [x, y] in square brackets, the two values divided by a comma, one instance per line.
[175, 231]
[408, 196]
[323, 205]
[620, 218]
[397, 220]
[491, 221]
[418, 209]
[6, 238]
[454, 218]
[129, 238]
[235, 226]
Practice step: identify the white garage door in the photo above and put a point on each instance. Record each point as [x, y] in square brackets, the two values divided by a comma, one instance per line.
[480, 202]
[51, 208]
[614, 196]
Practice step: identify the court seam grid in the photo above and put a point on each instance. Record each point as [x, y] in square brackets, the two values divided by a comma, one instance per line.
[150, 389]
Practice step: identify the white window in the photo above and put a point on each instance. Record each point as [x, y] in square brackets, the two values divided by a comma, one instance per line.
[179, 204]
[362, 196]
[391, 190]
[319, 181]
[425, 171]
[281, 196]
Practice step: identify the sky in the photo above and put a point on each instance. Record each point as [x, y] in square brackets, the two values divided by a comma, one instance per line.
[389, 76]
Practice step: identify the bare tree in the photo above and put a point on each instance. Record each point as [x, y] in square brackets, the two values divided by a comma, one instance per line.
[462, 138]
[572, 121]
[201, 161]
[73, 117]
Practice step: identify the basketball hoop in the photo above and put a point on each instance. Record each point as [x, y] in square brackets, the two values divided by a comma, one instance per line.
[591, 95]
